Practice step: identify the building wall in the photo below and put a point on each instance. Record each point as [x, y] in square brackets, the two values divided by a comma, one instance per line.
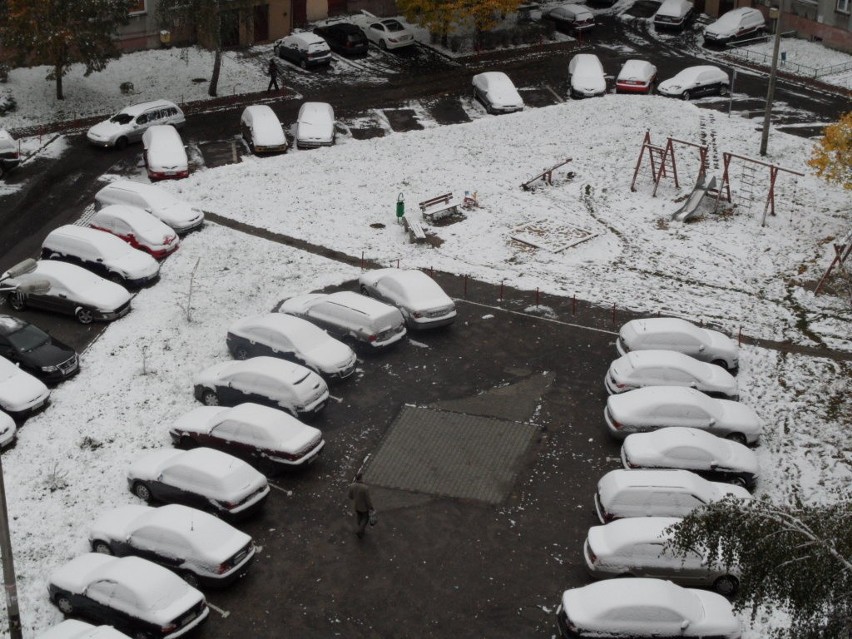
[317, 9]
[818, 27]
[715, 8]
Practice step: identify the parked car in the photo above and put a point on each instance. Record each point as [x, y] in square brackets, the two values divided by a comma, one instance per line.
[9, 154]
[35, 351]
[657, 493]
[418, 297]
[21, 394]
[708, 456]
[76, 629]
[647, 409]
[636, 76]
[694, 82]
[344, 38]
[293, 339]
[202, 549]
[386, 33]
[587, 76]
[267, 438]
[571, 18]
[129, 124]
[261, 130]
[674, 15]
[639, 548]
[8, 429]
[165, 155]
[263, 380]
[672, 334]
[640, 608]
[101, 253]
[136, 596]
[73, 291]
[496, 92]
[735, 24]
[304, 49]
[202, 478]
[164, 206]
[638, 369]
[349, 317]
[315, 125]
[138, 228]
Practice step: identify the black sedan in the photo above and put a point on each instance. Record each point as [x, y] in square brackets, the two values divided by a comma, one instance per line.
[344, 38]
[35, 351]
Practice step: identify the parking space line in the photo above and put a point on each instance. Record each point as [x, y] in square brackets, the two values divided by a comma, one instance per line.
[277, 487]
[337, 399]
[544, 319]
[554, 93]
[225, 614]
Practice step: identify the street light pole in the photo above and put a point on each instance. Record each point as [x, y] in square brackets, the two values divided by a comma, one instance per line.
[774, 14]
[9, 583]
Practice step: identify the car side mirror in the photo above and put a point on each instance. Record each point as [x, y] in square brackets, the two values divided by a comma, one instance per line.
[692, 384]
[701, 348]
[712, 422]
[100, 259]
[685, 624]
[714, 465]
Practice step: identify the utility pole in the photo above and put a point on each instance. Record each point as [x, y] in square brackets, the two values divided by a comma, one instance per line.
[774, 14]
[9, 583]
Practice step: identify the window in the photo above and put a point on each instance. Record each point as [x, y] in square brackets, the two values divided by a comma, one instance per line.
[843, 6]
[137, 7]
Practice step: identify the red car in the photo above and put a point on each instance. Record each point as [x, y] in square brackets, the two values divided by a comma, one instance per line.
[636, 76]
[138, 228]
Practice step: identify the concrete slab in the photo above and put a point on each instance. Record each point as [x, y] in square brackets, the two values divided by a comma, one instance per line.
[516, 402]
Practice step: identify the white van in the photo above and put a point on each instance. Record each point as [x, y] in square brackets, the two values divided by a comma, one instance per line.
[164, 206]
[129, 124]
[165, 155]
[9, 156]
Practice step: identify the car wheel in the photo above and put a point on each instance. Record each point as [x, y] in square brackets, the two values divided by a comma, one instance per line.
[190, 577]
[241, 353]
[720, 362]
[303, 64]
[209, 398]
[685, 96]
[116, 278]
[142, 635]
[739, 438]
[142, 491]
[365, 291]
[64, 604]
[723, 90]
[16, 301]
[121, 143]
[726, 585]
[84, 316]
[383, 45]
[737, 481]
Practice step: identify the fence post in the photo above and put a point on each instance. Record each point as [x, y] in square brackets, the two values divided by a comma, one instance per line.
[536, 296]
[362, 260]
[613, 314]
[465, 286]
[432, 272]
[574, 305]
[397, 262]
[501, 289]
[740, 337]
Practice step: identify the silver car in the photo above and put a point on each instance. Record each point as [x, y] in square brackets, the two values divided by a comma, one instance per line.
[129, 124]
[418, 297]
[673, 334]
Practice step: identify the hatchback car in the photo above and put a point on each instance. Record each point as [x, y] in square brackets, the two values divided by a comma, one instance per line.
[386, 33]
[202, 549]
[8, 430]
[76, 629]
[180, 215]
[315, 125]
[672, 334]
[735, 24]
[261, 130]
[706, 455]
[640, 608]
[202, 478]
[587, 76]
[418, 297]
[695, 82]
[349, 317]
[636, 76]
[641, 548]
[571, 18]
[344, 38]
[138, 228]
[496, 92]
[267, 438]
[293, 339]
[20, 393]
[165, 156]
[136, 596]
[304, 49]
[129, 124]
[647, 409]
[263, 380]
[638, 369]
[35, 351]
[674, 15]
[10, 157]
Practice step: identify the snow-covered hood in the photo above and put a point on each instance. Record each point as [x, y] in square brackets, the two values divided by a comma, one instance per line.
[18, 389]
[739, 417]
[115, 524]
[719, 380]
[199, 420]
[135, 265]
[148, 466]
[106, 130]
[718, 620]
[316, 129]
[330, 356]
[741, 458]
[210, 375]
[723, 345]
[178, 215]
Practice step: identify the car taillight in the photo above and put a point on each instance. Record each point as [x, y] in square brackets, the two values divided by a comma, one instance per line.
[418, 314]
[372, 338]
[631, 464]
[616, 425]
[221, 569]
[170, 628]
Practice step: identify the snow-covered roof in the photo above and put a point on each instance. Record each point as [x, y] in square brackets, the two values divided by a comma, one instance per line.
[141, 107]
[622, 534]
[589, 605]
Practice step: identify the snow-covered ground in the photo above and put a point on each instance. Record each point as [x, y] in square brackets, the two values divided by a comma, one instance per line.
[801, 57]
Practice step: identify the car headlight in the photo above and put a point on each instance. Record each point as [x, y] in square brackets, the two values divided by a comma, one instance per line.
[49, 369]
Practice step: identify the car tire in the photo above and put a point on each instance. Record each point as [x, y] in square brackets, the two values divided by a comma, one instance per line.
[188, 443]
[209, 398]
[16, 301]
[115, 278]
[685, 96]
[241, 353]
[64, 604]
[84, 316]
[121, 143]
[101, 547]
[383, 45]
[190, 578]
[726, 585]
[723, 90]
[365, 291]
[142, 635]
[303, 64]
[737, 481]
[738, 438]
[720, 362]
[142, 491]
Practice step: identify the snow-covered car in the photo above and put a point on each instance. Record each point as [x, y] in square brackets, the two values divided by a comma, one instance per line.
[164, 153]
[76, 629]
[496, 92]
[657, 493]
[647, 409]
[138, 228]
[344, 38]
[293, 339]
[706, 455]
[638, 369]
[349, 317]
[674, 14]
[638, 548]
[102, 253]
[73, 291]
[571, 18]
[304, 49]
[418, 297]
[587, 76]
[386, 33]
[263, 380]
[735, 24]
[10, 157]
[21, 394]
[164, 206]
[672, 334]
[130, 124]
[202, 549]
[267, 438]
[315, 125]
[694, 82]
[36, 352]
[136, 596]
[8, 429]
[636, 76]
[202, 478]
[640, 608]
[261, 130]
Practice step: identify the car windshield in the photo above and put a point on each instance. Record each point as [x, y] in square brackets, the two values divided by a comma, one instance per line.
[28, 338]
[121, 118]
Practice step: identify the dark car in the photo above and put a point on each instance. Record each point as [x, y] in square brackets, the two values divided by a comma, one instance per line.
[35, 351]
[304, 49]
[9, 155]
[344, 38]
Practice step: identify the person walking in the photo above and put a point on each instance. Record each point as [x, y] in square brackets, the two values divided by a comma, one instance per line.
[273, 75]
[360, 496]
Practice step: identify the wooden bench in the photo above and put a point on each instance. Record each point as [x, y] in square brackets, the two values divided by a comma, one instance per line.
[437, 207]
[415, 231]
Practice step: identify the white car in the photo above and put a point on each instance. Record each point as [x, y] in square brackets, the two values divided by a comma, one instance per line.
[655, 407]
[263, 380]
[136, 596]
[75, 629]
[735, 24]
[706, 455]
[267, 438]
[496, 92]
[673, 14]
[638, 369]
[571, 18]
[202, 549]
[129, 124]
[261, 130]
[294, 339]
[672, 334]
[636, 76]
[640, 608]
[418, 297]
[315, 125]
[138, 228]
[165, 156]
[21, 394]
[386, 33]
[180, 215]
[8, 429]
[694, 82]
[587, 76]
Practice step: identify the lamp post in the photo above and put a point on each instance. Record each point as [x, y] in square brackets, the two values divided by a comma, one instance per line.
[774, 14]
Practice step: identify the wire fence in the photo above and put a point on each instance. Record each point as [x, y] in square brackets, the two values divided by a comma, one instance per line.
[765, 59]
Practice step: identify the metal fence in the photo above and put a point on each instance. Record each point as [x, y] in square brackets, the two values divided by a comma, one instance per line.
[765, 59]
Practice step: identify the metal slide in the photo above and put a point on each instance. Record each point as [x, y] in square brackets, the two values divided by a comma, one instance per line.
[691, 205]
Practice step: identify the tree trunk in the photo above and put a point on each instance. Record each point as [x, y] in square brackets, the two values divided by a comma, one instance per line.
[217, 65]
[57, 70]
